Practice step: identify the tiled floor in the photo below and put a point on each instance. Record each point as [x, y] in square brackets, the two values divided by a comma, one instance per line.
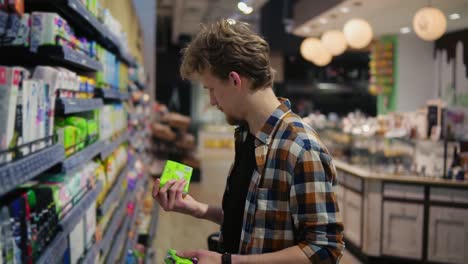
[183, 232]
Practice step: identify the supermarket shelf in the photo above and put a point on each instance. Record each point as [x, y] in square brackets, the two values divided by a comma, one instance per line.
[152, 233]
[131, 242]
[73, 105]
[49, 55]
[67, 54]
[111, 147]
[124, 96]
[109, 94]
[82, 157]
[80, 19]
[127, 59]
[109, 235]
[113, 194]
[25, 169]
[59, 245]
[118, 241]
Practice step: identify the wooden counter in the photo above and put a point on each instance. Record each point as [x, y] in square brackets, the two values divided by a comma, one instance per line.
[403, 219]
[364, 173]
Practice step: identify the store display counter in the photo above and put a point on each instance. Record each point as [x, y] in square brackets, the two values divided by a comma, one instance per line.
[403, 219]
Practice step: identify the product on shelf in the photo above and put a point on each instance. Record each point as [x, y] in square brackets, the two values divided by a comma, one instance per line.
[52, 29]
[16, 31]
[75, 133]
[112, 119]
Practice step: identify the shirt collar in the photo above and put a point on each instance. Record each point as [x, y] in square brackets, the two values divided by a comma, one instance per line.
[263, 134]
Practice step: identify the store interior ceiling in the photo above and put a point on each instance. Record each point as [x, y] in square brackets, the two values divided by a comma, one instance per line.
[385, 16]
[187, 15]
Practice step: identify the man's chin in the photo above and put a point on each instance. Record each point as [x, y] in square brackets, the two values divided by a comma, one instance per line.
[232, 121]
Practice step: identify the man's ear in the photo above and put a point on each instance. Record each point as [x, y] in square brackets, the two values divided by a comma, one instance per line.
[235, 79]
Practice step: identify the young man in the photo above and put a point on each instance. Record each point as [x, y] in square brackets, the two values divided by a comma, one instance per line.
[279, 205]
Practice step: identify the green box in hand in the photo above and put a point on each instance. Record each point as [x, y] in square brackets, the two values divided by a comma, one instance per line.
[176, 171]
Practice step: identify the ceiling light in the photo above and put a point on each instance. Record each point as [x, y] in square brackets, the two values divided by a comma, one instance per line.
[344, 9]
[454, 16]
[429, 23]
[248, 10]
[323, 21]
[358, 33]
[405, 30]
[242, 6]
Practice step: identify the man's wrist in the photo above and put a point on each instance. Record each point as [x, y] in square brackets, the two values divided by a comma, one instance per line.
[201, 211]
[239, 259]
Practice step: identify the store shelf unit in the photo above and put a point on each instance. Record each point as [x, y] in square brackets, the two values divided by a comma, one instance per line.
[105, 244]
[131, 242]
[79, 17]
[82, 157]
[152, 233]
[73, 105]
[118, 242]
[25, 169]
[84, 22]
[111, 147]
[113, 194]
[58, 246]
[49, 55]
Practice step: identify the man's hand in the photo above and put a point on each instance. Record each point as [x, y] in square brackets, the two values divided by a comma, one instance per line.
[172, 199]
[203, 256]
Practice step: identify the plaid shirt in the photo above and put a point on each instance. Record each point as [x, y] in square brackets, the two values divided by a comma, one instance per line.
[291, 200]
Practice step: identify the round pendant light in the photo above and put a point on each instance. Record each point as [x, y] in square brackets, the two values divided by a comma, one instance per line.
[313, 50]
[334, 41]
[429, 23]
[358, 33]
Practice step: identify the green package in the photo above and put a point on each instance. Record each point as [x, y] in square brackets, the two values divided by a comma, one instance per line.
[172, 258]
[176, 171]
[82, 126]
[92, 131]
[67, 137]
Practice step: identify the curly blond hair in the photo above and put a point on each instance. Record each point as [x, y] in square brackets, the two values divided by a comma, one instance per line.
[226, 46]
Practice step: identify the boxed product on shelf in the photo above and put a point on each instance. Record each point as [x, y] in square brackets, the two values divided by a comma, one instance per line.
[34, 223]
[9, 85]
[77, 241]
[52, 29]
[16, 31]
[75, 133]
[112, 119]
[90, 225]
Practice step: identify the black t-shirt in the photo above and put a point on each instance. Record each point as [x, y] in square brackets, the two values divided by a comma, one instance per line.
[236, 193]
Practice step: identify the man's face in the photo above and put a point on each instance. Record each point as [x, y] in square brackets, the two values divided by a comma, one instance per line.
[223, 96]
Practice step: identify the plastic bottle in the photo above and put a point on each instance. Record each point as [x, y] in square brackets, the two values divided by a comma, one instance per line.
[130, 257]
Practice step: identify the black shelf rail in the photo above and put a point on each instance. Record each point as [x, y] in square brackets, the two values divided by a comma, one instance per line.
[67, 106]
[111, 94]
[113, 194]
[71, 56]
[20, 171]
[111, 147]
[49, 55]
[59, 245]
[82, 157]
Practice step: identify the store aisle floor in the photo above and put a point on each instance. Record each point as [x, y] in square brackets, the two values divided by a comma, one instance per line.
[184, 232]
